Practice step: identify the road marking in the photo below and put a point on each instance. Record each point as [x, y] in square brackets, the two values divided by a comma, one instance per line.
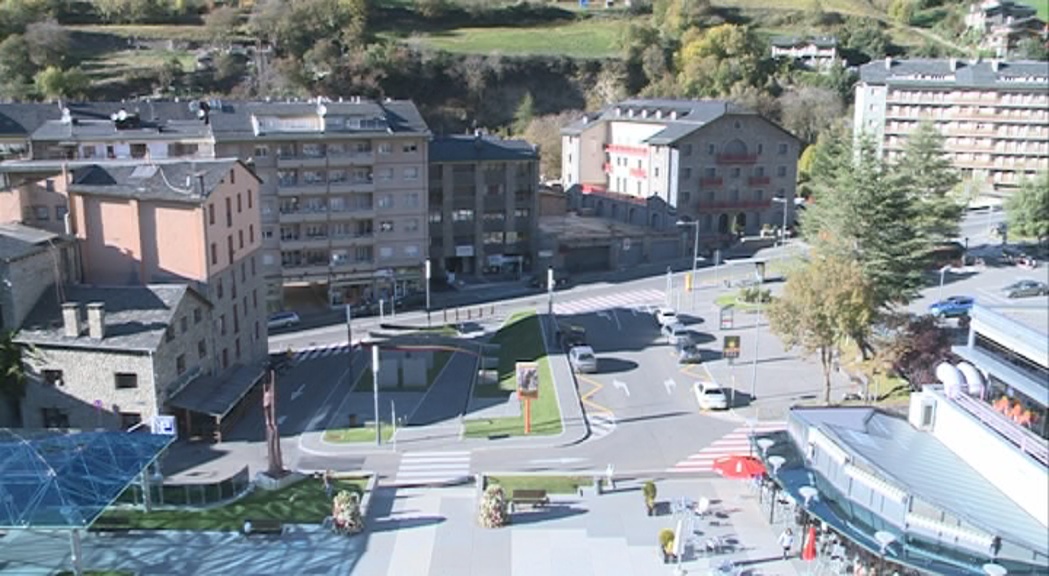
[280, 421]
[604, 314]
[733, 443]
[557, 460]
[298, 392]
[616, 317]
[622, 386]
[601, 424]
[433, 467]
[670, 385]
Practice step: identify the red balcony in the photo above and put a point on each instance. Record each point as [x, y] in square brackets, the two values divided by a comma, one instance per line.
[626, 150]
[711, 182]
[607, 168]
[737, 158]
[638, 173]
[722, 206]
[759, 180]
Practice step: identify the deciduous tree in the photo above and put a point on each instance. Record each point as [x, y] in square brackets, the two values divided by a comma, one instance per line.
[54, 82]
[12, 374]
[710, 62]
[1027, 210]
[545, 132]
[825, 301]
[918, 350]
[808, 111]
[524, 113]
[926, 170]
[222, 23]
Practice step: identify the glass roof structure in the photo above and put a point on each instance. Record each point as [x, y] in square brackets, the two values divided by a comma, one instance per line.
[53, 479]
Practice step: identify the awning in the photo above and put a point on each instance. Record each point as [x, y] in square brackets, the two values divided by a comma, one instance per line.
[216, 396]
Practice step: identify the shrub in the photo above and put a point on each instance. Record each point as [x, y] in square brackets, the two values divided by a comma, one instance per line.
[753, 295]
[346, 513]
[492, 512]
[666, 539]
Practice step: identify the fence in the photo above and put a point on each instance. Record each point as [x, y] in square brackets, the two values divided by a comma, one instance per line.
[188, 494]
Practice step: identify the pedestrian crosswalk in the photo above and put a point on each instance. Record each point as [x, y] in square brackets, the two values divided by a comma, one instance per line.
[601, 424]
[424, 468]
[735, 442]
[637, 300]
[315, 352]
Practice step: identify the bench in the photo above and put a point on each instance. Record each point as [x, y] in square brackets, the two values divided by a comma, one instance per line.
[534, 498]
[266, 526]
[112, 524]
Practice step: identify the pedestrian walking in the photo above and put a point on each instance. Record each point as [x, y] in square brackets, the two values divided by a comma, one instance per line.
[328, 487]
[786, 541]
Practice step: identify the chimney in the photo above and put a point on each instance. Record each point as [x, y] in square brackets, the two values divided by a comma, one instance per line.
[888, 62]
[954, 64]
[71, 319]
[96, 320]
[996, 64]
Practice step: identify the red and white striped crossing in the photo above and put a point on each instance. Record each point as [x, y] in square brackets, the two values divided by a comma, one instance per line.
[636, 300]
[733, 443]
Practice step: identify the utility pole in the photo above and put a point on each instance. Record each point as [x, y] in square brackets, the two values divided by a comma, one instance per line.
[427, 293]
[375, 392]
[757, 340]
[550, 298]
[349, 341]
[670, 286]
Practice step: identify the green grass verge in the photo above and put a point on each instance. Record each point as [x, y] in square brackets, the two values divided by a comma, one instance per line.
[440, 358]
[730, 300]
[552, 484]
[359, 434]
[584, 38]
[301, 503]
[99, 573]
[520, 340]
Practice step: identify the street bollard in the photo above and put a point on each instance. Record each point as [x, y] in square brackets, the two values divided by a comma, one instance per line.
[456, 314]
[597, 486]
[469, 314]
[491, 311]
[444, 314]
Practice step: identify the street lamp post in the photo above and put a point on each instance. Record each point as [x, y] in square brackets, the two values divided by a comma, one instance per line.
[783, 231]
[943, 272]
[375, 392]
[349, 341]
[550, 297]
[757, 341]
[427, 293]
[695, 255]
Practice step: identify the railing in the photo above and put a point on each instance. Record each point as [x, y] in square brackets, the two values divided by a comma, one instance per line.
[759, 180]
[711, 181]
[707, 206]
[737, 158]
[1027, 441]
[189, 494]
[624, 149]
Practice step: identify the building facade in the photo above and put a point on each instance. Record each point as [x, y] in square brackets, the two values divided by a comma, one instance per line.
[31, 261]
[1002, 23]
[819, 52]
[483, 205]
[728, 168]
[994, 115]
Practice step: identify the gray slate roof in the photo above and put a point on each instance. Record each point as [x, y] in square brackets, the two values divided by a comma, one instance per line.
[791, 41]
[136, 316]
[18, 240]
[926, 468]
[463, 148]
[1017, 74]
[177, 181]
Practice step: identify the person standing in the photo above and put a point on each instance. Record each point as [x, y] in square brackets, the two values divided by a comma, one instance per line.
[786, 541]
[328, 488]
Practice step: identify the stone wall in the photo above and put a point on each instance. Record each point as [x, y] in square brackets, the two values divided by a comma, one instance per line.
[29, 277]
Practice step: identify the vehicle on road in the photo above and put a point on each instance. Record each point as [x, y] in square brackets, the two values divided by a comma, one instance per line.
[953, 307]
[665, 316]
[582, 359]
[561, 280]
[283, 320]
[676, 332]
[687, 352]
[710, 396]
[1025, 288]
[571, 336]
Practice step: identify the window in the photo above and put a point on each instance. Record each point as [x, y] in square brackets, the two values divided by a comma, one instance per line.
[229, 212]
[52, 377]
[183, 324]
[268, 260]
[521, 213]
[710, 172]
[130, 419]
[255, 298]
[687, 173]
[386, 174]
[385, 252]
[759, 171]
[211, 213]
[411, 225]
[735, 172]
[41, 212]
[180, 364]
[435, 217]
[232, 176]
[236, 349]
[761, 148]
[684, 197]
[491, 238]
[411, 173]
[783, 148]
[240, 238]
[169, 334]
[198, 315]
[125, 380]
[252, 266]
[139, 151]
[687, 150]
[251, 199]
[410, 148]
[222, 325]
[251, 233]
[385, 148]
[781, 171]
[236, 321]
[267, 232]
[711, 149]
[54, 418]
[411, 200]
[464, 215]
[386, 226]
[411, 251]
[262, 151]
[202, 349]
[60, 213]
[240, 207]
[385, 201]
[225, 358]
[218, 288]
[256, 329]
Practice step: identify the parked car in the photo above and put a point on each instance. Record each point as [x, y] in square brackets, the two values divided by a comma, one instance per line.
[1025, 288]
[953, 307]
[283, 320]
[665, 316]
[676, 332]
[582, 359]
[687, 352]
[571, 336]
[561, 280]
[710, 396]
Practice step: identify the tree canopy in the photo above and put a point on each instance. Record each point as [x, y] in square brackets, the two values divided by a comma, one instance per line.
[1027, 210]
[926, 171]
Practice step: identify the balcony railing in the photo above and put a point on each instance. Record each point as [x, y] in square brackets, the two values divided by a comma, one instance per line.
[738, 205]
[638, 173]
[709, 182]
[759, 180]
[737, 158]
[1024, 439]
[607, 168]
[626, 150]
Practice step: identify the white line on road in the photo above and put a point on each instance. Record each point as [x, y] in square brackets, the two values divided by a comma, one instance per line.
[280, 421]
[669, 384]
[616, 317]
[622, 386]
[557, 460]
[604, 314]
[298, 392]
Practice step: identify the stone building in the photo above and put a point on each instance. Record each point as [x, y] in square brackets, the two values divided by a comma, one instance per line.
[31, 261]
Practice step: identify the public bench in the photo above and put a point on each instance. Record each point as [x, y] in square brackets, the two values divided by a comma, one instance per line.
[111, 524]
[534, 498]
[266, 526]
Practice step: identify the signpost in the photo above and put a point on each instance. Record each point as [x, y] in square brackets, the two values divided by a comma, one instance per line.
[527, 389]
[164, 425]
[730, 349]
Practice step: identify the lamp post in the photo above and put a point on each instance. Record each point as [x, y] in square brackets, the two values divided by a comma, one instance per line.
[349, 341]
[757, 342]
[375, 392]
[550, 298]
[943, 273]
[427, 274]
[783, 231]
[695, 255]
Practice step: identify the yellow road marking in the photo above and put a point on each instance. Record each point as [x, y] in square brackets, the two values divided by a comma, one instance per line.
[586, 397]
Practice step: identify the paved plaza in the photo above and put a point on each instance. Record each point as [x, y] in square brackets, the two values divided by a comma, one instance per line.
[433, 532]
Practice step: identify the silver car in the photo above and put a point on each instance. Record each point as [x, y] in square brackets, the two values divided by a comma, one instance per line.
[1025, 288]
[582, 359]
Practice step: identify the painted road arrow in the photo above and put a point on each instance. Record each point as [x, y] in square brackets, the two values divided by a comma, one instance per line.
[295, 395]
[669, 384]
[622, 386]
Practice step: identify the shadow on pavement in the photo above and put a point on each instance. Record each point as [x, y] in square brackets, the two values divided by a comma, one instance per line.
[387, 524]
[614, 365]
[548, 512]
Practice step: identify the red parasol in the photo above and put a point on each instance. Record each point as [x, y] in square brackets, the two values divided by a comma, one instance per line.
[808, 553]
[741, 467]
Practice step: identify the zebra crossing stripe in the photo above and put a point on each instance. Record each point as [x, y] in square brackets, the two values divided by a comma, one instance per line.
[734, 443]
[419, 468]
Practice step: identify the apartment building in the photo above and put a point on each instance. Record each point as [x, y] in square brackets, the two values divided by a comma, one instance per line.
[331, 173]
[727, 167]
[483, 205]
[993, 114]
[31, 261]
[1002, 23]
[819, 52]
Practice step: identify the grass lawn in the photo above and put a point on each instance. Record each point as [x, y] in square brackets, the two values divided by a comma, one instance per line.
[114, 65]
[552, 484]
[359, 434]
[585, 38]
[730, 300]
[301, 503]
[519, 340]
[440, 358]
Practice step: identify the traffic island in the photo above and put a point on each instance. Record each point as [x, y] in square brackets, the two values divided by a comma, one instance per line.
[358, 434]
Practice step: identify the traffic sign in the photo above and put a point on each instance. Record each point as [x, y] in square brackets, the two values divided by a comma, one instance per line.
[731, 347]
[164, 425]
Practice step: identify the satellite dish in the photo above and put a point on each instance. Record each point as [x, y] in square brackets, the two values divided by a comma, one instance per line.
[122, 115]
[322, 110]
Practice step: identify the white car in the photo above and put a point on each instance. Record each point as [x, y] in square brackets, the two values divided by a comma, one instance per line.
[666, 316]
[710, 396]
[675, 332]
[582, 359]
[283, 320]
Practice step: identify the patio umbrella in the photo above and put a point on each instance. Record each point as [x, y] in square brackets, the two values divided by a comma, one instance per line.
[739, 467]
[808, 553]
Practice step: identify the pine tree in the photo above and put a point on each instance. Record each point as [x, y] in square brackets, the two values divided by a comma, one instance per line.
[926, 170]
[524, 113]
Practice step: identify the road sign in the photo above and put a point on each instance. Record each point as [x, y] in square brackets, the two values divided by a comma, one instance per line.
[527, 379]
[164, 424]
[731, 347]
[726, 318]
